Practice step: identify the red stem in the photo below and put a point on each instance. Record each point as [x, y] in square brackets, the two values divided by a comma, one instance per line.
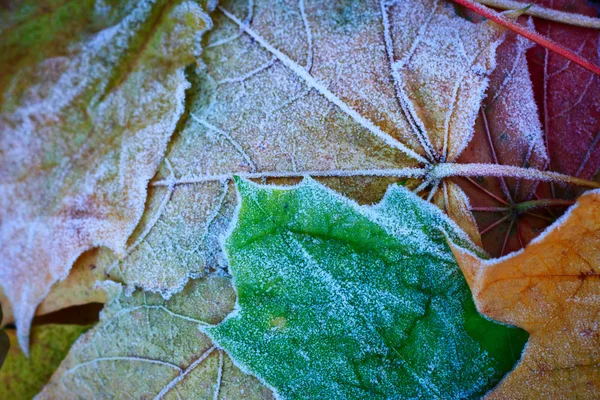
[533, 36]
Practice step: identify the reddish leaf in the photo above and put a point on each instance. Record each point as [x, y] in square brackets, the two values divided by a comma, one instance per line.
[508, 132]
[568, 95]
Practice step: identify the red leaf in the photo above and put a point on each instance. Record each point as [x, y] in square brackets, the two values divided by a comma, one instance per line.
[568, 95]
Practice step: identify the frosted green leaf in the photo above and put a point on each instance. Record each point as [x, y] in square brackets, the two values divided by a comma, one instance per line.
[337, 300]
[91, 94]
[148, 347]
[355, 93]
[22, 377]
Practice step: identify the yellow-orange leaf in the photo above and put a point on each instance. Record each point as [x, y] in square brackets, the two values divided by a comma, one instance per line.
[551, 289]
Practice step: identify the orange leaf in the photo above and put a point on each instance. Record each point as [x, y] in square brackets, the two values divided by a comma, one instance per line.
[552, 290]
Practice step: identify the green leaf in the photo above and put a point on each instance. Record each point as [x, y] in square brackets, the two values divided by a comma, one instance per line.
[22, 377]
[145, 346]
[336, 300]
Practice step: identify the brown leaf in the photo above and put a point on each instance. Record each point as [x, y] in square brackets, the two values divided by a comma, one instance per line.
[551, 289]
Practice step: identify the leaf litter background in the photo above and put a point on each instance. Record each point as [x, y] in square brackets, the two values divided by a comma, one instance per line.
[277, 104]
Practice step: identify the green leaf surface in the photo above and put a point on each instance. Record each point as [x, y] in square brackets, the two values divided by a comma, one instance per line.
[22, 377]
[4, 342]
[336, 300]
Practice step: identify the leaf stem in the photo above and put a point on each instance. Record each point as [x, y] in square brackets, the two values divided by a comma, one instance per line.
[440, 171]
[527, 206]
[490, 209]
[397, 172]
[533, 36]
[545, 13]
[544, 203]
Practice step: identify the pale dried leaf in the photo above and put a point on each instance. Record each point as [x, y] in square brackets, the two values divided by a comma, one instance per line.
[319, 98]
[76, 289]
[145, 346]
[82, 134]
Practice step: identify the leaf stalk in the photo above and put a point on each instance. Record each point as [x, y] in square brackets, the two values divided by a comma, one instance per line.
[533, 36]
[545, 13]
[445, 170]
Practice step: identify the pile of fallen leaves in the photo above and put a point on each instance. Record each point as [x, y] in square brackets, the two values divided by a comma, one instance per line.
[301, 199]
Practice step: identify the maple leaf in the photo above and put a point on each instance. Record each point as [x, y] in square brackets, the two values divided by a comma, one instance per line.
[272, 104]
[510, 213]
[146, 346]
[568, 95]
[23, 377]
[83, 131]
[550, 289]
[267, 104]
[342, 301]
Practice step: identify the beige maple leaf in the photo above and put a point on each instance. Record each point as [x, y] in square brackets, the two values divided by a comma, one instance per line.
[355, 104]
[82, 134]
[149, 347]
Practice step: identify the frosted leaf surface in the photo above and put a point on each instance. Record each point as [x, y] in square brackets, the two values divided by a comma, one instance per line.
[307, 88]
[148, 347]
[456, 205]
[337, 300]
[83, 131]
[76, 289]
[510, 132]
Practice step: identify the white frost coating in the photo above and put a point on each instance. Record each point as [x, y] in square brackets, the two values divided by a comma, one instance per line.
[226, 135]
[451, 169]
[312, 82]
[409, 111]
[183, 373]
[76, 170]
[443, 93]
